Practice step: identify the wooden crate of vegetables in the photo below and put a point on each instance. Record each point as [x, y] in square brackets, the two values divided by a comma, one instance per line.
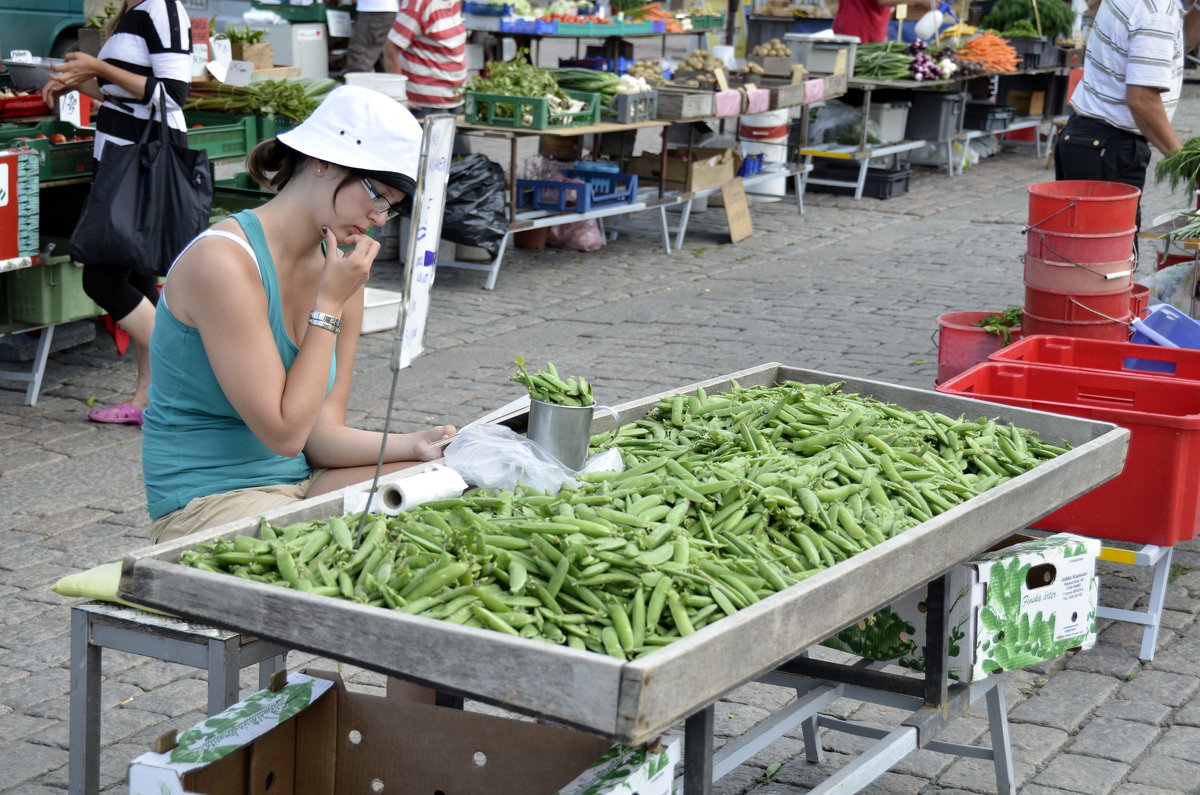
[773, 57]
[758, 513]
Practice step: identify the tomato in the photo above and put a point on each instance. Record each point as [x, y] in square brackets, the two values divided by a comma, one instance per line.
[58, 138]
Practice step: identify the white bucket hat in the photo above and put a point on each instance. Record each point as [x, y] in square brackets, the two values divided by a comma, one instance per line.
[362, 130]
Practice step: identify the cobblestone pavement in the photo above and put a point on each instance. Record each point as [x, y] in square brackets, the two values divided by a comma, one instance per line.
[850, 287]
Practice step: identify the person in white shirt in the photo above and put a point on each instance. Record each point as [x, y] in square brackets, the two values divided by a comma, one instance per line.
[372, 21]
[1132, 79]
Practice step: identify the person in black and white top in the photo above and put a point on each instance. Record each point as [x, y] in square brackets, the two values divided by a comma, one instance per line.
[147, 54]
[1132, 79]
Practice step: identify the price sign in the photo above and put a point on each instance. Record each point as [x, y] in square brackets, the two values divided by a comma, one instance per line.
[75, 108]
[239, 73]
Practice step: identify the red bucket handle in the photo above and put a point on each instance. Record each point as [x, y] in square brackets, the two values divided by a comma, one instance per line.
[1069, 261]
[1048, 217]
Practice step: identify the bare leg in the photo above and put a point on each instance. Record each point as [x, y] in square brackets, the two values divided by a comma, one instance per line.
[140, 325]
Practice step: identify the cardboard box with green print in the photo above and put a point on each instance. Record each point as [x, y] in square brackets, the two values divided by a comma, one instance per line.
[1022, 602]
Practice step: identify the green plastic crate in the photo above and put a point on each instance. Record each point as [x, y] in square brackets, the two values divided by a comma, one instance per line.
[57, 161]
[599, 30]
[222, 135]
[236, 194]
[528, 113]
[294, 13]
[48, 293]
[267, 127]
[634, 28]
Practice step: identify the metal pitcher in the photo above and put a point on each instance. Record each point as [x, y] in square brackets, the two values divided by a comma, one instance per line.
[563, 430]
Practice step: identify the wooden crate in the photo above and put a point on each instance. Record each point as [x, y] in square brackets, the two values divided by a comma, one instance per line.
[684, 103]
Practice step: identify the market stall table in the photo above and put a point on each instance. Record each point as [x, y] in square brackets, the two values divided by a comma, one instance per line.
[634, 701]
[538, 219]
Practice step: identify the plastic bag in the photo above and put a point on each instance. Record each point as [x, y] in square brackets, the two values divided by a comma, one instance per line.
[496, 457]
[1172, 285]
[837, 122]
[577, 236]
[476, 212]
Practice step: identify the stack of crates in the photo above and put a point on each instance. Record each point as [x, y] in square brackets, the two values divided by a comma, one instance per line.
[28, 203]
[1151, 390]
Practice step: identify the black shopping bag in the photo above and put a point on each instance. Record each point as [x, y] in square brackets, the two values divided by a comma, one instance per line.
[148, 200]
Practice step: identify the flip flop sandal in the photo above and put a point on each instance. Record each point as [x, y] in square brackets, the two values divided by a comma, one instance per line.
[118, 414]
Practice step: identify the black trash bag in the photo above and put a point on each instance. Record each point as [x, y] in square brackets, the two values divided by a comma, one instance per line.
[476, 211]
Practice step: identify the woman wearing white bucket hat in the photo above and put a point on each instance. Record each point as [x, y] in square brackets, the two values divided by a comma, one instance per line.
[253, 349]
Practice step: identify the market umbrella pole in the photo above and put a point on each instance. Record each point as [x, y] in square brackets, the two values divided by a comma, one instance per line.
[420, 260]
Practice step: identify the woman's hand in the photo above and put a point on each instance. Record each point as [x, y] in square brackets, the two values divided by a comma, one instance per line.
[77, 69]
[423, 441]
[345, 271]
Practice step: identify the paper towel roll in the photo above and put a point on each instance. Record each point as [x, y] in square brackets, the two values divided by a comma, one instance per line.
[406, 494]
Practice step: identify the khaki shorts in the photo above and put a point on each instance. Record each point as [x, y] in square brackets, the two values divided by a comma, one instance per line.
[205, 512]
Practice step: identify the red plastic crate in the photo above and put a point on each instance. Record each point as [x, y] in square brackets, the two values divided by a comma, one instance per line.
[1117, 357]
[23, 105]
[1155, 499]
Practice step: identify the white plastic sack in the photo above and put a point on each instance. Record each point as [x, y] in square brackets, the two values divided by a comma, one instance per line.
[496, 457]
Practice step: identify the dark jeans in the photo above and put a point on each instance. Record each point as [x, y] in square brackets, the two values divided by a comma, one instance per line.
[1095, 150]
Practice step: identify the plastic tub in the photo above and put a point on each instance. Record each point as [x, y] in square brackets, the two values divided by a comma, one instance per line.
[1080, 248]
[961, 344]
[1083, 206]
[394, 86]
[1155, 498]
[1117, 330]
[1097, 277]
[1059, 305]
[1165, 325]
[1117, 357]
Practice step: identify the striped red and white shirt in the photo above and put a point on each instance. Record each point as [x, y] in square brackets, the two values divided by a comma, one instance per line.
[433, 50]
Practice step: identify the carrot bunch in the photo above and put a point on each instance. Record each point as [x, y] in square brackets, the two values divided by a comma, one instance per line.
[653, 12]
[576, 19]
[993, 51]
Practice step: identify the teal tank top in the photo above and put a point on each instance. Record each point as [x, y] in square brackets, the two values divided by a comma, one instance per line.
[193, 441]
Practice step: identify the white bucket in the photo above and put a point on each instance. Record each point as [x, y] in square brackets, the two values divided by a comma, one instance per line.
[394, 86]
[766, 133]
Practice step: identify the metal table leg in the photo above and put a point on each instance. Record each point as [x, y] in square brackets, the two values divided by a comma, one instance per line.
[83, 766]
[1151, 619]
[698, 752]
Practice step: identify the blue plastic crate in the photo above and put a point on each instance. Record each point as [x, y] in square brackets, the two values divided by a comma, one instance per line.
[1167, 326]
[532, 27]
[598, 190]
[488, 9]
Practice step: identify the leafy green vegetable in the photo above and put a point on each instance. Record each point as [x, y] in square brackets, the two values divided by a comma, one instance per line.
[1181, 166]
[1001, 324]
[1021, 27]
[245, 35]
[548, 387]
[1057, 18]
[294, 98]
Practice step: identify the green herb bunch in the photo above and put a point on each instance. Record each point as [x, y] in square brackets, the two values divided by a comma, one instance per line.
[1180, 168]
[1056, 17]
[245, 35]
[1001, 324]
[548, 387]
[100, 20]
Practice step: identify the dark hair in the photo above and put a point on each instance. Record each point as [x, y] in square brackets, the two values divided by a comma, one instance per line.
[273, 163]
